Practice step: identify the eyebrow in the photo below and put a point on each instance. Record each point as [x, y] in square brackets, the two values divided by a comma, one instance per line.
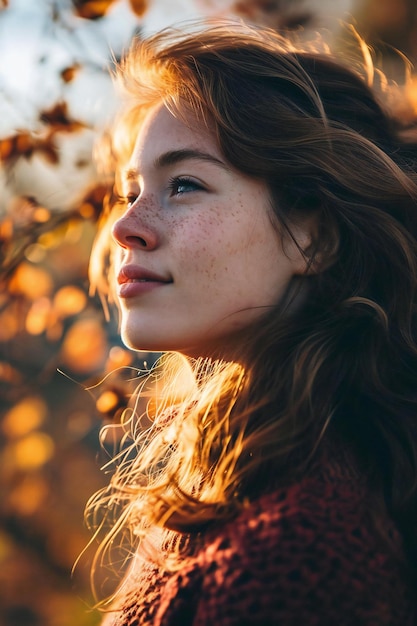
[176, 156]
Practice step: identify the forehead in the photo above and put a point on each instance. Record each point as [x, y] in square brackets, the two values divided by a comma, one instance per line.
[161, 131]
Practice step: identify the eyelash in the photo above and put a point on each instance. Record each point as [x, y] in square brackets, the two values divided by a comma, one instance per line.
[122, 200]
[130, 199]
[174, 184]
[182, 181]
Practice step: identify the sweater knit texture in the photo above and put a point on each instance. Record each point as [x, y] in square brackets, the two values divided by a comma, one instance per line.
[306, 555]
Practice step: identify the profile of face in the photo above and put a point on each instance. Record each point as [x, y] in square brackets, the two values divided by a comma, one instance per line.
[198, 258]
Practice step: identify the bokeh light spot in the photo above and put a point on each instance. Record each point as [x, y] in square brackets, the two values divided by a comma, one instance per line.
[107, 402]
[33, 451]
[29, 495]
[84, 346]
[69, 300]
[24, 417]
[38, 316]
[31, 281]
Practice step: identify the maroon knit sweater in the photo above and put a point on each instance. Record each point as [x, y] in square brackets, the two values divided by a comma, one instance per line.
[306, 555]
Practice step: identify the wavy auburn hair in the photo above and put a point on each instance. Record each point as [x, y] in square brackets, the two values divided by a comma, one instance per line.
[343, 366]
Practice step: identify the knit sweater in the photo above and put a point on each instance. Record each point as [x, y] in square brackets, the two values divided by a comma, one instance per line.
[306, 555]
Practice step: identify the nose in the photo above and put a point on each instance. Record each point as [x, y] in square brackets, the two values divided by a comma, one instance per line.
[133, 230]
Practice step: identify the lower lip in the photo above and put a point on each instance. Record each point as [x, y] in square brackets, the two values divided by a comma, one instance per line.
[138, 288]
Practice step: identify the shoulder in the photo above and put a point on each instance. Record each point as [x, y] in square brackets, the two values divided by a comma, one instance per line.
[297, 555]
[309, 518]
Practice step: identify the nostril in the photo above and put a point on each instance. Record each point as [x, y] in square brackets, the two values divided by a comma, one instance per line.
[134, 239]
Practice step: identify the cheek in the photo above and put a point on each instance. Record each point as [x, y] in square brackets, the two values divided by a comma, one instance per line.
[203, 245]
[226, 245]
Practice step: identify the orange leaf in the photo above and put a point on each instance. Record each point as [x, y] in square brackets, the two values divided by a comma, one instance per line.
[92, 9]
[68, 74]
[6, 148]
[18, 145]
[23, 143]
[139, 6]
[6, 229]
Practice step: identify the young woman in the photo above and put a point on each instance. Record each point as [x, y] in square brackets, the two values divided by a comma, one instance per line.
[265, 236]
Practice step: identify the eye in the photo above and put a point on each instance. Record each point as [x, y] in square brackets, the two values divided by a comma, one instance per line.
[182, 184]
[125, 200]
[130, 199]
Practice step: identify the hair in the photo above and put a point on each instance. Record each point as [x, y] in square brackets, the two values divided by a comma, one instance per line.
[343, 366]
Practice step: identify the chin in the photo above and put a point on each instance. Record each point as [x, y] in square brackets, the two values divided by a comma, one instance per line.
[140, 342]
[223, 346]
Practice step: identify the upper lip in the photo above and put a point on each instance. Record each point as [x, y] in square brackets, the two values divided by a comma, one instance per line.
[129, 273]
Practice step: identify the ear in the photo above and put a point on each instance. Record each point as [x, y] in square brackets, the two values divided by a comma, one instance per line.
[312, 246]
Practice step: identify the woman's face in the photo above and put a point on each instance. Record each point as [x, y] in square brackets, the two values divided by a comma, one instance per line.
[197, 259]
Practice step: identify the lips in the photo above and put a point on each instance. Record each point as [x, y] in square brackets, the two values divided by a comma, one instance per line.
[135, 280]
[133, 273]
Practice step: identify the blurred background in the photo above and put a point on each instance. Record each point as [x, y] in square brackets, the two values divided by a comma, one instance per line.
[56, 345]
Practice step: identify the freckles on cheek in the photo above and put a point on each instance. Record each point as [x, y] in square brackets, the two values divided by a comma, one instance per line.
[200, 261]
[201, 252]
